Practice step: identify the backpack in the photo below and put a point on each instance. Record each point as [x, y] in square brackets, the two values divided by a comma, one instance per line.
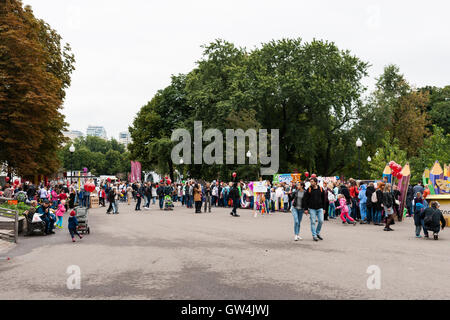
[374, 198]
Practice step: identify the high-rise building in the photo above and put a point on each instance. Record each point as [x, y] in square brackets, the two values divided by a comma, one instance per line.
[125, 138]
[96, 131]
[73, 134]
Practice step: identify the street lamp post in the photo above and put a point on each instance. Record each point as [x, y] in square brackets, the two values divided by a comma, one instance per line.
[359, 145]
[72, 150]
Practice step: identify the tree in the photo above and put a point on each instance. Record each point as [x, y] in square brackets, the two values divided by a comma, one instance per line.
[34, 73]
[389, 151]
[435, 147]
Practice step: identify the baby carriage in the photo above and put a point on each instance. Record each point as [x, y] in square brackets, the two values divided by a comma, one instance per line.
[168, 203]
[82, 217]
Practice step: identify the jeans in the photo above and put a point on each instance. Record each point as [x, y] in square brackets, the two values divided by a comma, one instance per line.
[316, 216]
[138, 204]
[208, 202]
[418, 228]
[298, 215]
[377, 216]
[59, 223]
[363, 209]
[114, 207]
[147, 203]
[74, 232]
[161, 202]
[332, 210]
[154, 200]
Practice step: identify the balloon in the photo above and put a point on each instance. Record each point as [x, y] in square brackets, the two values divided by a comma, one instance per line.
[313, 175]
[307, 174]
[89, 187]
[162, 181]
[109, 179]
[391, 164]
[399, 176]
[7, 179]
[16, 182]
[234, 174]
[169, 181]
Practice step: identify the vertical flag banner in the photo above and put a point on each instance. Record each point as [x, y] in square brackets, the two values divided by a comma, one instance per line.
[138, 170]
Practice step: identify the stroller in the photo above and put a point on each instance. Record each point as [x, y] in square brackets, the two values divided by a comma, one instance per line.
[82, 217]
[168, 202]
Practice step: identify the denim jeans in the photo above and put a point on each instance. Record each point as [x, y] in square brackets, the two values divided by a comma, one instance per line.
[316, 216]
[114, 206]
[154, 200]
[147, 201]
[332, 210]
[161, 202]
[298, 215]
[418, 228]
[363, 209]
[377, 216]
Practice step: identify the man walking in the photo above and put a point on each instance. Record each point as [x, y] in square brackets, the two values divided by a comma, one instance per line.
[234, 195]
[315, 201]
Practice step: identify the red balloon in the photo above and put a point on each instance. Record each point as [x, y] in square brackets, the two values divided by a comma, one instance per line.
[234, 174]
[307, 174]
[16, 182]
[399, 176]
[7, 179]
[392, 164]
[169, 181]
[109, 179]
[314, 175]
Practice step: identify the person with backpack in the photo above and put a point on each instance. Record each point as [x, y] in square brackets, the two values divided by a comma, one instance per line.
[388, 206]
[315, 204]
[419, 208]
[433, 220]
[236, 198]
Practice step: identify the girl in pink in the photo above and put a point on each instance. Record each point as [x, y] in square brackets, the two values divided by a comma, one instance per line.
[60, 213]
[344, 210]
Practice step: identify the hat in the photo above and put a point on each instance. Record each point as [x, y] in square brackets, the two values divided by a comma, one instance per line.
[73, 213]
[46, 201]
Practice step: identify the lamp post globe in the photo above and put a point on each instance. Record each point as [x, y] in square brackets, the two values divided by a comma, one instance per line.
[72, 150]
[359, 144]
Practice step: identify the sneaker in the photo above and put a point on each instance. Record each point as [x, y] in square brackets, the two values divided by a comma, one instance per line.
[299, 238]
[419, 236]
[436, 237]
[315, 239]
[426, 236]
[320, 238]
[81, 237]
[343, 222]
[73, 240]
[296, 238]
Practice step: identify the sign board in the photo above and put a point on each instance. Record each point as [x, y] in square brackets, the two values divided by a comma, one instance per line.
[260, 186]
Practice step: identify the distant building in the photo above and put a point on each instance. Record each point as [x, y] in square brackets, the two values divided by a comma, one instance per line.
[72, 135]
[96, 131]
[125, 138]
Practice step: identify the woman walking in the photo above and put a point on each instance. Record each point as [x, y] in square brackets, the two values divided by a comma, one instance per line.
[197, 198]
[377, 201]
[298, 208]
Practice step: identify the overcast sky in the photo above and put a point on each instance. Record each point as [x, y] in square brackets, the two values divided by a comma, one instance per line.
[127, 50]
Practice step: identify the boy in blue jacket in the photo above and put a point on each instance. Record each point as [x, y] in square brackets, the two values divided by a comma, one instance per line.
[73, 223]
[363, 203]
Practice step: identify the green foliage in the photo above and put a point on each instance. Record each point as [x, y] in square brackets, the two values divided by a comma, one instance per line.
[20, 207]
[389, 151]
[435, 147]
[101, 157]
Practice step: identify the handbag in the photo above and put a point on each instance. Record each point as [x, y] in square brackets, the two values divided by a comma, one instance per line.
[397, 202]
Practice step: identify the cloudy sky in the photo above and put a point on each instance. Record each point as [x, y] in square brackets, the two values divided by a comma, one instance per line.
[127, 50]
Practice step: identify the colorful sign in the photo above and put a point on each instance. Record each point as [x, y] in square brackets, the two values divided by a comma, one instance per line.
[260, 187]
[287, 178]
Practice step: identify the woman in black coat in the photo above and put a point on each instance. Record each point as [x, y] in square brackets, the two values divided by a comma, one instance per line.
[377, 206]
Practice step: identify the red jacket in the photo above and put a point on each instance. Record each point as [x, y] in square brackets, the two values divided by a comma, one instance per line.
[354, 192]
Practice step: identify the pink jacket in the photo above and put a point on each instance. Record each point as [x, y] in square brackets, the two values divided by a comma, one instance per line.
[60, 211]
[343, 205]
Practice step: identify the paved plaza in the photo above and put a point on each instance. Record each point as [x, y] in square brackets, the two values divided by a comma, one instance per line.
[155, 254]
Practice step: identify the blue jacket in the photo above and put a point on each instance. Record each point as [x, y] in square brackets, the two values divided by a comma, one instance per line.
[362, 194]
[73, 222]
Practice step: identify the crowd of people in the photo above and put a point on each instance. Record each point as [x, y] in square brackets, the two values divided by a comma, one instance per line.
[350, 201]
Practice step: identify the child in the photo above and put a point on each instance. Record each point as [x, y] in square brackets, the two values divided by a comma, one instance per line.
[60, 214]
[344, 210]
[285, 201]
[272, 199]
[332, 206]
[73, 223]
[418, 222]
